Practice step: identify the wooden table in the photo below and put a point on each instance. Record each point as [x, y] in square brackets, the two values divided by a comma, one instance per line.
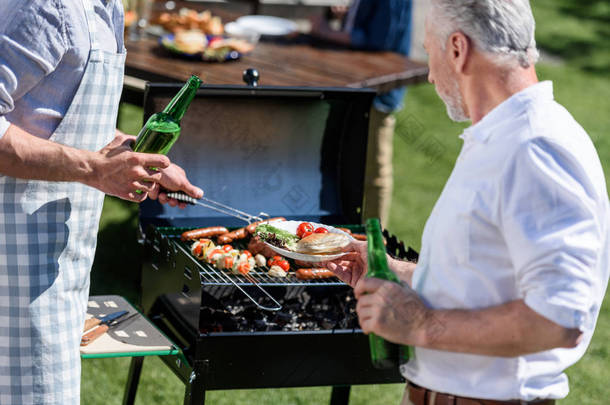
[279, 64]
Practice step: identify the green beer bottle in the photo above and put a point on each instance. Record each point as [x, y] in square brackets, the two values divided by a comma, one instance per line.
[384, 354]
[163, 129]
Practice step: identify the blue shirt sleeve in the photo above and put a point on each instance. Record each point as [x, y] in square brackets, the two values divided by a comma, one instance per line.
[32, 43]
[383, 25]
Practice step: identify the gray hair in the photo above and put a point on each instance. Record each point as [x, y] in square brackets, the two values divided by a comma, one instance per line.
[502, 28]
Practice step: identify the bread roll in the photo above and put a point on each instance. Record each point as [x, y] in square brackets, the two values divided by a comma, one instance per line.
[322, 243]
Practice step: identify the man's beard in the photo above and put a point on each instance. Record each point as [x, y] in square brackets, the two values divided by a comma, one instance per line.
[454, 103]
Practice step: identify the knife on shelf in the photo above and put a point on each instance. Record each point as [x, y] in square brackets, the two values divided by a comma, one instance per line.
[91, 322]
[100, 330]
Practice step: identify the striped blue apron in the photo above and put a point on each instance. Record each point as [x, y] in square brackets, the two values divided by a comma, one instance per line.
[48, 234]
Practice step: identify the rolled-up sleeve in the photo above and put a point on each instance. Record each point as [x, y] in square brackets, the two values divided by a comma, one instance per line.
[32, 43]
[552, 230]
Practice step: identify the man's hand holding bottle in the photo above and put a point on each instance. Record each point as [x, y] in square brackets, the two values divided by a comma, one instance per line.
[120, 172]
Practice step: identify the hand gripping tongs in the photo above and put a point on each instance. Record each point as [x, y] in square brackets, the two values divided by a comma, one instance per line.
[244, 216]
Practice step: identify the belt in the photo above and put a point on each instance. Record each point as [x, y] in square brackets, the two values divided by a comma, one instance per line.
[423, 396]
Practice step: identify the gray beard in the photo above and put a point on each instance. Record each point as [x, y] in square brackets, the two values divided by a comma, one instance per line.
[453, 103]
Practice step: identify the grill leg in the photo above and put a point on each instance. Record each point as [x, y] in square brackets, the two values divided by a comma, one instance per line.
[195, 387]
[340, 395]
[133, 378]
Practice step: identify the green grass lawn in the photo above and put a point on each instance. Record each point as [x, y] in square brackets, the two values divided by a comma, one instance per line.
[576, 32]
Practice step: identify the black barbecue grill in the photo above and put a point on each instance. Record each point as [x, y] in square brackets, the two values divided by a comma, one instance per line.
[292, 152]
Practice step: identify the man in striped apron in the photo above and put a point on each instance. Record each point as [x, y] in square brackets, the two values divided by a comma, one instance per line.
[58, 156]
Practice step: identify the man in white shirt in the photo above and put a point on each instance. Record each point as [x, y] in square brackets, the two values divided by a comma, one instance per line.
[514, 261]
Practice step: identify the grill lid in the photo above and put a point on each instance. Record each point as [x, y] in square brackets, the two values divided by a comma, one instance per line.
[293, 152]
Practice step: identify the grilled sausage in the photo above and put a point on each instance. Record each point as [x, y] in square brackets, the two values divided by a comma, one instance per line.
[311, 274]
[252, 227]
[204, 233]
[257, 246]
[358, 236]
[231, 236]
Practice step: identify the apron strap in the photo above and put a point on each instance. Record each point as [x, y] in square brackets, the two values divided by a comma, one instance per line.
[90, 14]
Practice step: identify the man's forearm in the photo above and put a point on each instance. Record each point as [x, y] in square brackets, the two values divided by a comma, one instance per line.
[25, 156]
[403, 269]
[506, 330]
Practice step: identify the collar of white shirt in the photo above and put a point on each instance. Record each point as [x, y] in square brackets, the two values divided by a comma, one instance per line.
[507, 110]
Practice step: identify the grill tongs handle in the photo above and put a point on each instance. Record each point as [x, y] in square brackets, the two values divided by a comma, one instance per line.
[216, 206]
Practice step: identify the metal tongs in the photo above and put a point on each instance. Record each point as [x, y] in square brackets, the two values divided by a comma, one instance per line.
[216, 206]
[244, 216]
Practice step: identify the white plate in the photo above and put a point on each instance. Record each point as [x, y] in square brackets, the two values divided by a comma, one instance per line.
[267, 25]
[291, 226]
[234, 30]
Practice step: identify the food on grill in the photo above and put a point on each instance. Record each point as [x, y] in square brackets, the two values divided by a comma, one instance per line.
[359, 236]
[304, 229]
[311, 274]
[260, 260]
[229, 237]
[208, 232]
[280, 262]
[225, 262]
[212, 255]
[200, 248]
[193, 41]
[252, 227]
[277, 237]
[322, 243]
[257, 246]
[242, 265]
[276, 271]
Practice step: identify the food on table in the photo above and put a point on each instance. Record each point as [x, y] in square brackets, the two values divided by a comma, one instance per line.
[322, 243]
[218, 44]
[311, 274]
[276, 271]
[277, 237]
[208, 232]
[130, 17]
[192, 41]
[187, 19]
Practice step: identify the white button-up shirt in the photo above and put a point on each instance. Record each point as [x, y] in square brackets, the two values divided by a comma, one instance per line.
[524, 215]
